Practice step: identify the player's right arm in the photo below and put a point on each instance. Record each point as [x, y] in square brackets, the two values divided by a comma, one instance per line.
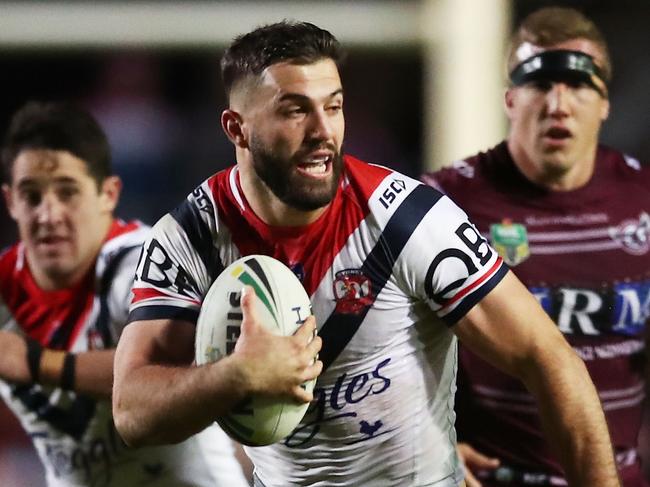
[160, 397]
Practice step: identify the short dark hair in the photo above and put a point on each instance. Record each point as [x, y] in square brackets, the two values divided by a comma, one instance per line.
[57, 126]
[295, 42]
[552, 25]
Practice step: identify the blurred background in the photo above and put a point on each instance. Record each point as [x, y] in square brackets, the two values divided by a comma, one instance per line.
[424, 83]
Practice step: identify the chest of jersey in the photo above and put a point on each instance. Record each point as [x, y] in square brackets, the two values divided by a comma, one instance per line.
[588, 266]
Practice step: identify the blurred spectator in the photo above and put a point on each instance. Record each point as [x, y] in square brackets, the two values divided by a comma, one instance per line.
[143, 130]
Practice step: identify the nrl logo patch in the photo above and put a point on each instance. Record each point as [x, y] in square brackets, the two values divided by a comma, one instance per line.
[352, 291]
[510, 240]
[633, 235]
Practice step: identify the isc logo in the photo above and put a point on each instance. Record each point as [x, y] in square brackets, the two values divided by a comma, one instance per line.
[389, 195]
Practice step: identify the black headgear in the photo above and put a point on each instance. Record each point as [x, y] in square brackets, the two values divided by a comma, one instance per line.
[560, 65]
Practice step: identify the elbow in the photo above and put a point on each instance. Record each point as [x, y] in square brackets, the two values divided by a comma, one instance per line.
[128, 437]
[124, 424]
[137, 429]
[133, 435]
[127, 421]
[136, 437]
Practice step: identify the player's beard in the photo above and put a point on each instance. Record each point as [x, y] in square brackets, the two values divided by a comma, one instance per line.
[280, 175]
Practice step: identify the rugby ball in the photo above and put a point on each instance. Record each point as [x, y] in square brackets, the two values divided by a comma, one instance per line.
[282, 305]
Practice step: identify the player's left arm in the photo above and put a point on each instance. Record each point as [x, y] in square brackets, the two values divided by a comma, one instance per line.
[509, 329]
[24, 361]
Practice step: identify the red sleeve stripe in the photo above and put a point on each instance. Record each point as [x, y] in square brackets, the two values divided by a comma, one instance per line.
[148, 293]
[470, 288]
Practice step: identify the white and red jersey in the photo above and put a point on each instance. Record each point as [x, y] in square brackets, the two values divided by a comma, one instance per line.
[74, 434]
[390, 266]
[585, 255]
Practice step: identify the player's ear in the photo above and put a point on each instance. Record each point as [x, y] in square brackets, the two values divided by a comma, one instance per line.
[233, 126]
[507, 98]
[509, 101]
[110, 191]
[604, 111]
[6, 194]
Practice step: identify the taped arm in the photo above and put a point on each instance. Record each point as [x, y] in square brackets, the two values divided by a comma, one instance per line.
[509, 329]
[91, 373]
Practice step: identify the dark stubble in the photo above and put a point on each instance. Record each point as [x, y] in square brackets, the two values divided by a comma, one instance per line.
[294, 190]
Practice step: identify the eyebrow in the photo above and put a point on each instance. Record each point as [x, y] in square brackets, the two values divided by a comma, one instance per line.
[28, 183]
[303, 98]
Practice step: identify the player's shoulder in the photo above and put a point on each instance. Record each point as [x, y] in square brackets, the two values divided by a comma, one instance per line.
[625, 165]
[363, 177]
[123, 235]
[124, 239]
[8, 259]
[470, 171]
[382, 188]
[396, 204]
[14, 277]
[221, 185]
[218, 194]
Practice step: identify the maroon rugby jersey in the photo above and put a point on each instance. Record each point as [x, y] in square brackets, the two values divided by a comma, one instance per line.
[585, 255]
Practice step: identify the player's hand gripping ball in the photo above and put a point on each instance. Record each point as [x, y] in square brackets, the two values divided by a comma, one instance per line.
[282, 306]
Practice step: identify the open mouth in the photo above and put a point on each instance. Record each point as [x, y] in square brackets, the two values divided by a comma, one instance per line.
[316, 165]
[51, 240]
[558, 134]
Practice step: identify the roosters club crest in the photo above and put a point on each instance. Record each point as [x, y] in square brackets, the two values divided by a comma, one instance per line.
[352, 291]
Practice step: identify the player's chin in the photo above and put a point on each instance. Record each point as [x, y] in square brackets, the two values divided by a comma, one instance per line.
[58, 269]
[312, 200]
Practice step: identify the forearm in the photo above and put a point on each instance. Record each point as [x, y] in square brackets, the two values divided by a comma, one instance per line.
[94, 373]
[511, 331]
[156, 404]
[91, 373]
[158, 397]
[572, 417]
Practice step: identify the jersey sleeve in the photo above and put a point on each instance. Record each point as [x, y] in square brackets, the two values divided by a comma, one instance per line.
[120, 293]
[178, 263]
[445, 261]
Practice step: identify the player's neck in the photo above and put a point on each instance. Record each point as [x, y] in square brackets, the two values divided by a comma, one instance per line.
[57, 281]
